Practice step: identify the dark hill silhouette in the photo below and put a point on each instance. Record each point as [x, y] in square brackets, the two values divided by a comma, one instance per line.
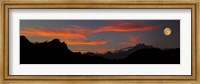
[154, 56]
[124, 52]
[56, 52]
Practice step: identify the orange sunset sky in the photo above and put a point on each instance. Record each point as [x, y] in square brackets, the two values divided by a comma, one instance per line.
[102, 35]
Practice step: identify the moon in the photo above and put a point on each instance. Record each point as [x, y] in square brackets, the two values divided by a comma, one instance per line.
[167, 31]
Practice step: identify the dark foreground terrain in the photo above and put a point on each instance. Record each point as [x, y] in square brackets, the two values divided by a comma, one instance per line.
[56, 52]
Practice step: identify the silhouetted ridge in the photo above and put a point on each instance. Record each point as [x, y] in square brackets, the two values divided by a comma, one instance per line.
[24, 41]
[45, 52]
[55, 41]
[155, 55]
[57, 52]
[124, 52]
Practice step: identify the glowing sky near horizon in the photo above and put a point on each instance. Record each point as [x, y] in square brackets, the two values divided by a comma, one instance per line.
[103, 35]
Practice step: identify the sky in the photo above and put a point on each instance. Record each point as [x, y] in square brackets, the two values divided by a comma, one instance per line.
[103, 35]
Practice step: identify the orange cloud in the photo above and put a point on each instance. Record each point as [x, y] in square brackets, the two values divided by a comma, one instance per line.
[80, 33]
[98, 50]
[86, 42]
[132, 41]
[72, 32]
[125, 27]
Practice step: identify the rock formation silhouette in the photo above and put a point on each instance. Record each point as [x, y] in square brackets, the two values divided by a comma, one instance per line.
[56, 52]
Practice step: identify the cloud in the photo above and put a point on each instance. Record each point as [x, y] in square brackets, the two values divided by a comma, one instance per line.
[125, 27]
[77, 31]
[87, 42]
[132, 41]
[96, 50]
[71, 32]
[80, 33]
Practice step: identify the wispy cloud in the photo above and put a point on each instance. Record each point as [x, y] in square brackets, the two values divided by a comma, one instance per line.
[125, 27]
[97, 50]
[87, 42]
[71, 32]
[80, 33]
[132, 41]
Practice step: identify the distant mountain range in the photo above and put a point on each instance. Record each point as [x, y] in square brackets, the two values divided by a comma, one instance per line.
[56, 52]
[124, 52]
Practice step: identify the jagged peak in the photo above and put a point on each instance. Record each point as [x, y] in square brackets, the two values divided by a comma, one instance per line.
[55, 41]
[24, 39]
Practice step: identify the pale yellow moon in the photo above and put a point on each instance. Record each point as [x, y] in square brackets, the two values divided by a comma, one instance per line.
[167, 31]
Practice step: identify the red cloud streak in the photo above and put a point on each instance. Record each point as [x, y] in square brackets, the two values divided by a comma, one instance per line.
[85, 42]
[72, 32]
[77, 32]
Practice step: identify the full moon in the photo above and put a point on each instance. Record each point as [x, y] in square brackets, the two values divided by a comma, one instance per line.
[167, 31]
